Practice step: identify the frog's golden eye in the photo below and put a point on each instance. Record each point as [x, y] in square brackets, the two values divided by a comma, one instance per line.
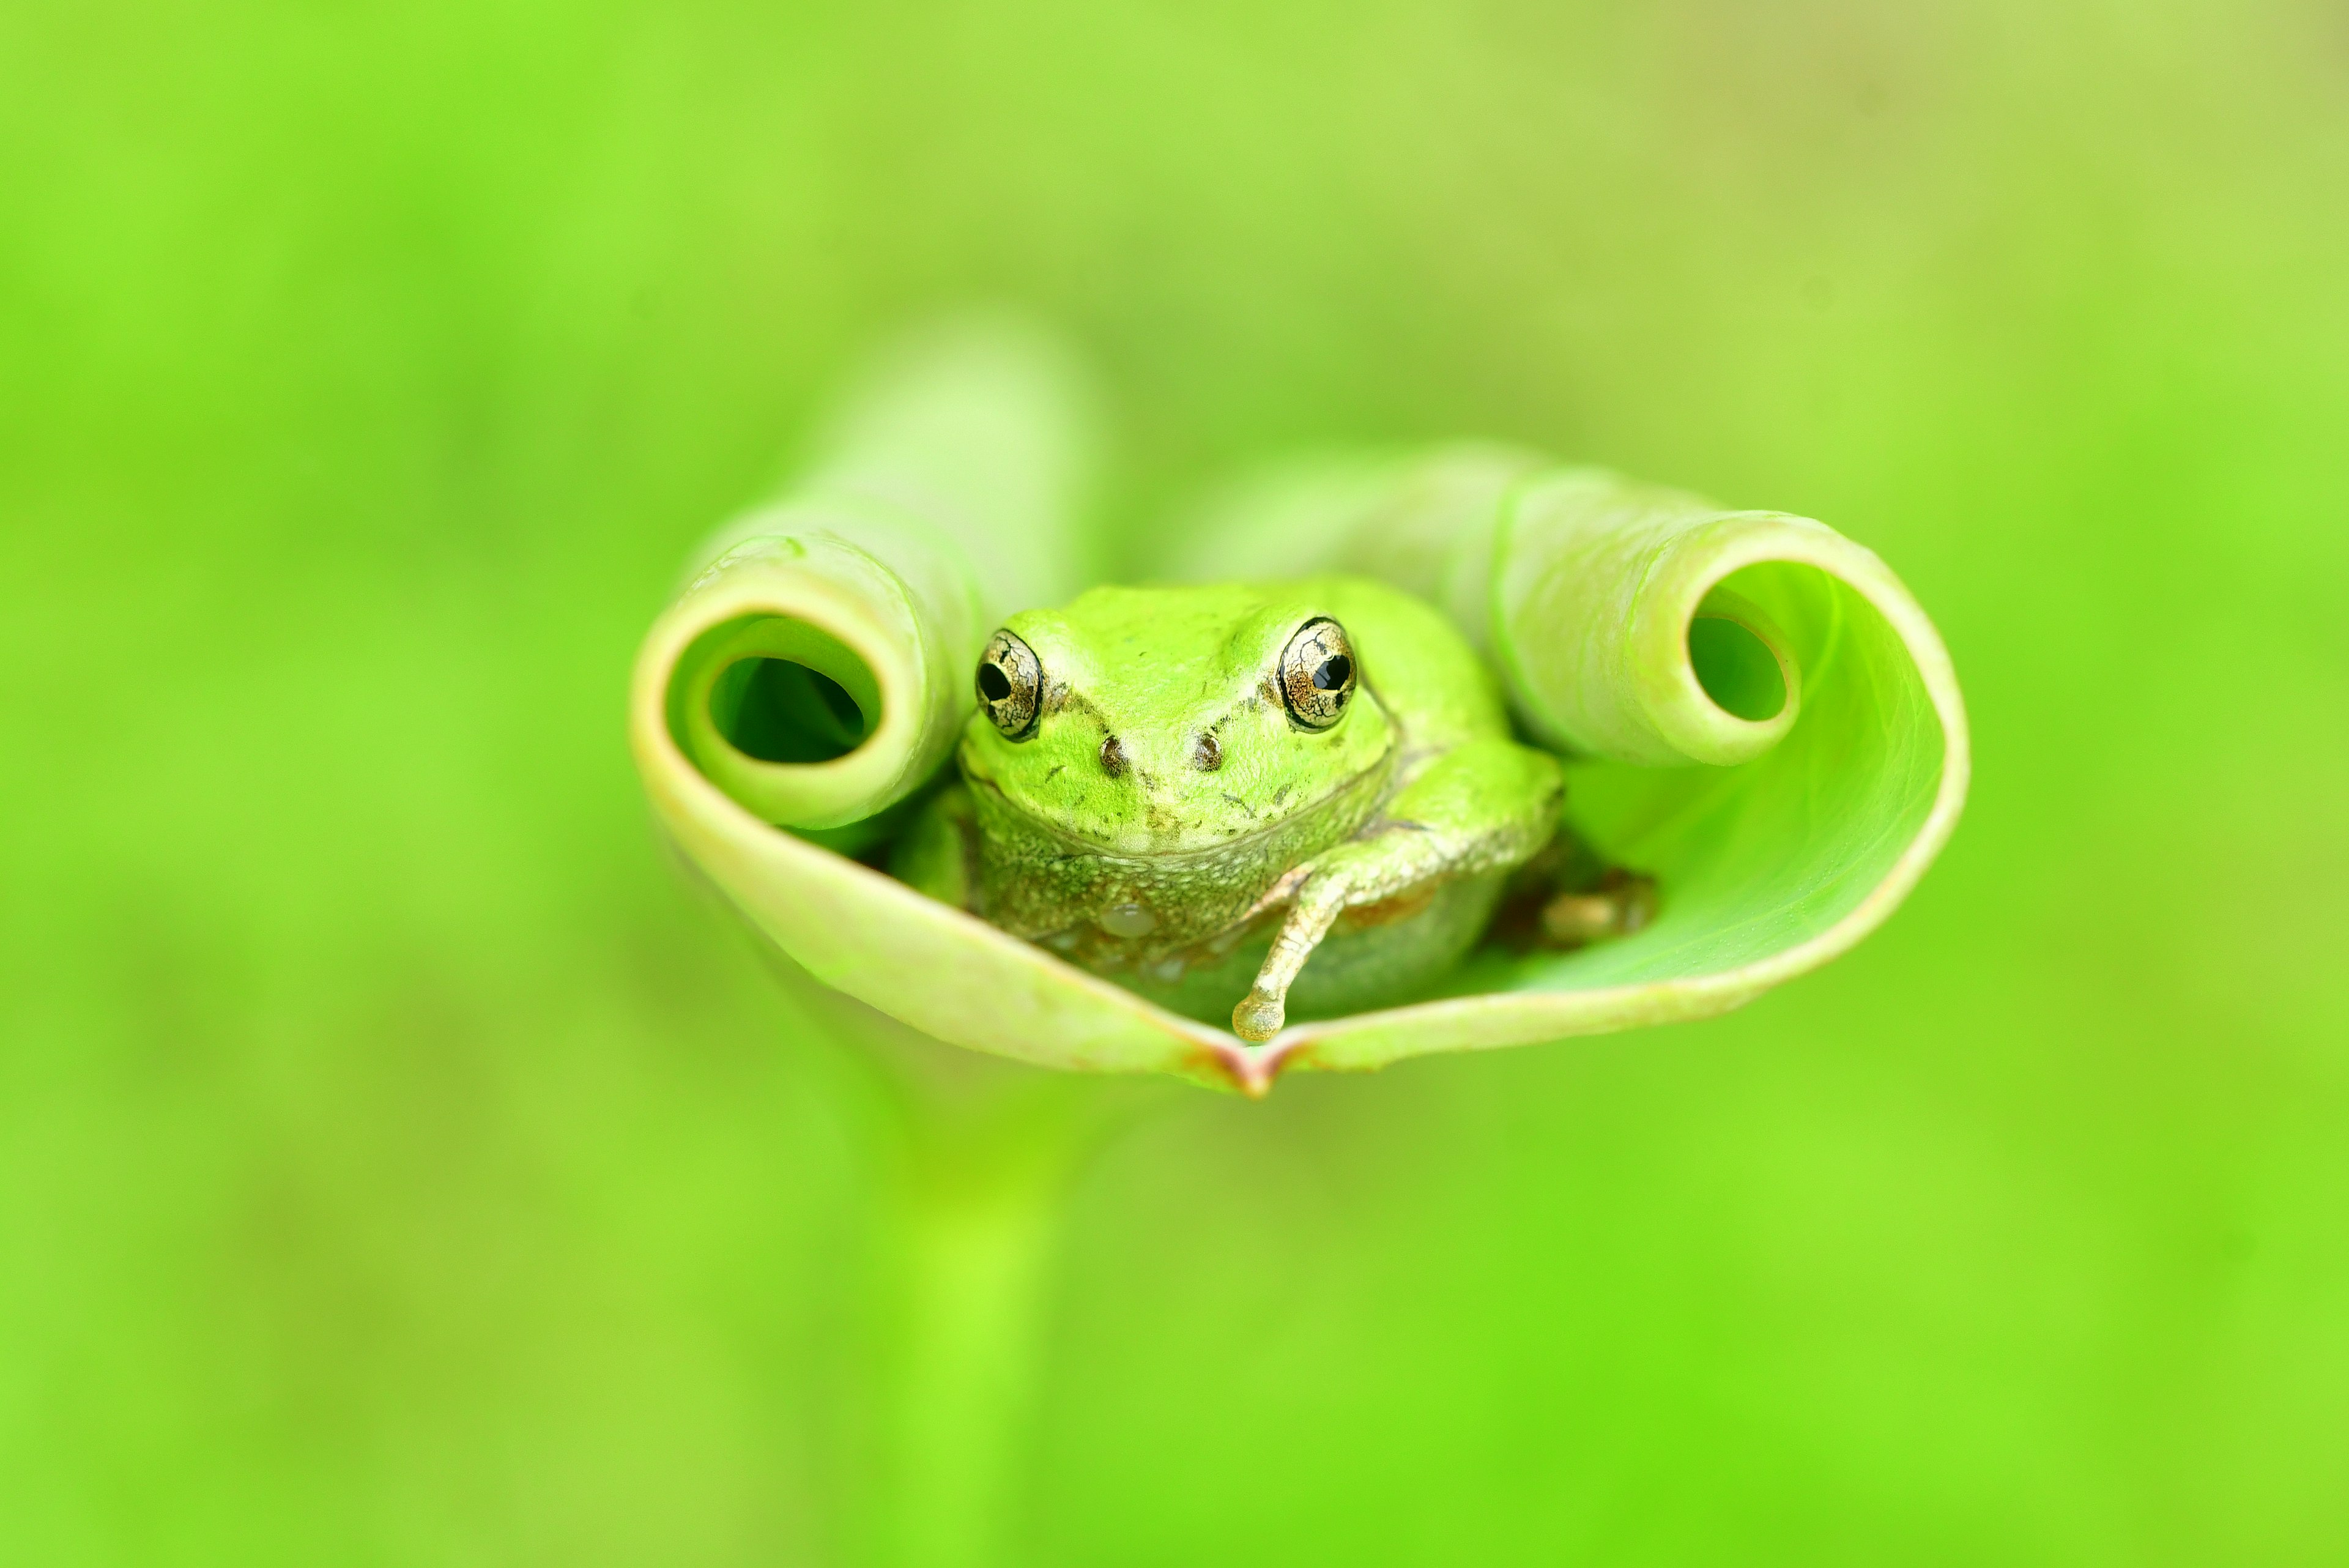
[1011, 685]
[1317, 673]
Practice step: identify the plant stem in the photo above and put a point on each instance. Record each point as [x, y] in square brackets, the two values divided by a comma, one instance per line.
[979, 1242]
[988, 1153]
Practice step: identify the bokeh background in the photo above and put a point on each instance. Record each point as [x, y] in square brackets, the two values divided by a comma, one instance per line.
[398, 1165]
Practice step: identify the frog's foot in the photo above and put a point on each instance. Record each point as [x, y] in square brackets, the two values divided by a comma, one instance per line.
[1316, 902]
[1259, 1017]
[1485, 806]
[1623, 902]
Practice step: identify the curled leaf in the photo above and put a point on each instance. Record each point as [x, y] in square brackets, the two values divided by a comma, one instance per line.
[816, 666]
[1755, 712]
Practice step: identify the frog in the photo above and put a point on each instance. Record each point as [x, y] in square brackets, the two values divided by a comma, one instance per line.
[1238, 799]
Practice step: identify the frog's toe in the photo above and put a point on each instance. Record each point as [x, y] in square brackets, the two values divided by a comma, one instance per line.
[1622, 903]
[1259, 1017]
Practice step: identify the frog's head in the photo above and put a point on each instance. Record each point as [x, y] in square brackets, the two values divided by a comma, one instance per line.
[1162, 721]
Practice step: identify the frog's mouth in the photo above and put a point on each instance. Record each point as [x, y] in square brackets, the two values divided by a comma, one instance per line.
[1353, 800]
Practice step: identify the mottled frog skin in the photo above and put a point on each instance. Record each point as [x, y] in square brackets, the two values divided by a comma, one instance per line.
[1196, 791]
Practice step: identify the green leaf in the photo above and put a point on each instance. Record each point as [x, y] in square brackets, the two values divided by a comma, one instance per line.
[1754, 710]
[1639, 633]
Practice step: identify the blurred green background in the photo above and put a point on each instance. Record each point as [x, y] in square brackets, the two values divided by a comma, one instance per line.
[398, 1165]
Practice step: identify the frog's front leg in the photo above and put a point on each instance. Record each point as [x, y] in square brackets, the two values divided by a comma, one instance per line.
[1485, 806]
[938, 852]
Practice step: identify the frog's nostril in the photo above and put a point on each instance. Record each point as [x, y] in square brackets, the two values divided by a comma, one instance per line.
[1112, 757]
[1207, 754]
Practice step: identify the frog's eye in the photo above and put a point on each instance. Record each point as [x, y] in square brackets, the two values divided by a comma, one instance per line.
[1317, 673]
[1011, 685]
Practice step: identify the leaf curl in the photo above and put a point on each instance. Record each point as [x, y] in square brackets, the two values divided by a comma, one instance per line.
[1752, 708]
[1779, 839]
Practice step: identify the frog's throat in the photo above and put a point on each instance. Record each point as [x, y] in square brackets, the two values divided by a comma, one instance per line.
[1038, 881]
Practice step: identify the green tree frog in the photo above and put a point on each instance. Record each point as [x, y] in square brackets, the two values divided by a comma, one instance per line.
[1300, 795]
